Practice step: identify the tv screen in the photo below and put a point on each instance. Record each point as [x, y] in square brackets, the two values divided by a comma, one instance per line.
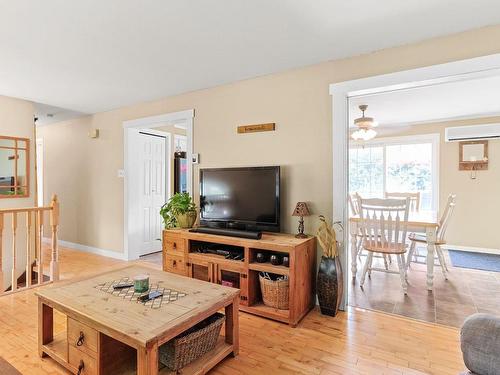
[241, 198]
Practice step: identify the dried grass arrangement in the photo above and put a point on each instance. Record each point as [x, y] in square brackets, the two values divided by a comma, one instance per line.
[327, 238]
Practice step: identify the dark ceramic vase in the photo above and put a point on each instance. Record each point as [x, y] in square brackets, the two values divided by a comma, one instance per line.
[261, 258]
[286, 261]
[275, 260]
[330, 285]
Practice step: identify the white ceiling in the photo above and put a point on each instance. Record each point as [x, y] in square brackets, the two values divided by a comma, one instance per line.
[95, 55]
[457, 100]
[47, 114]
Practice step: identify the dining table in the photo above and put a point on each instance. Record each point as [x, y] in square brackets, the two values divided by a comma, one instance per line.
[419, 222]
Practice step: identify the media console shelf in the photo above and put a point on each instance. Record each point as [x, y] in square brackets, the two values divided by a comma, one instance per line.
[181, 256]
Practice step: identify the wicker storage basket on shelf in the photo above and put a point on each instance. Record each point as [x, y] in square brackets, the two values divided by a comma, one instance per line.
[192, 344]
[275, 293]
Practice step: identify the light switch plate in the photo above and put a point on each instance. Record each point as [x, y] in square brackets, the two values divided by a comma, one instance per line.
[94, 133]
[195, 158]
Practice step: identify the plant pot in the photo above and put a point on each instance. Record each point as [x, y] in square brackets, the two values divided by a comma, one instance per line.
[186, 220]
[330, 285]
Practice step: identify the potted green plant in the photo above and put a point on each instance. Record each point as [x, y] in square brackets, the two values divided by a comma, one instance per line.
[179, 211]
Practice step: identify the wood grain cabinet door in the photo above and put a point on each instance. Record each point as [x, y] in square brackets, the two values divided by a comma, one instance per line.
[202, 271]
[233, 277]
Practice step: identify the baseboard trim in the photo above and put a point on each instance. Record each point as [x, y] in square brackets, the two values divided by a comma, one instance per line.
[470, 249]
[89, 249]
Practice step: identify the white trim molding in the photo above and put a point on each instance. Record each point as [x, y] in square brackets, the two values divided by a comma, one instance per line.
[130, 128]
[89, 249]
[159, 120]
[341, 92]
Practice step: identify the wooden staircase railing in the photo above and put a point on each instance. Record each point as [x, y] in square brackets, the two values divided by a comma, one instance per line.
[34, 237]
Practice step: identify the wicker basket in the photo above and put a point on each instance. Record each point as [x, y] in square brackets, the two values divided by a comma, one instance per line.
[275, 293]
[192, 344]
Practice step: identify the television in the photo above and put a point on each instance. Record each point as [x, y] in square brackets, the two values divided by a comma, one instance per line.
[240, 198]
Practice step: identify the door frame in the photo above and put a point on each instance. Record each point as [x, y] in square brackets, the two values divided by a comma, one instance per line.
[148, 124]
[341, 92]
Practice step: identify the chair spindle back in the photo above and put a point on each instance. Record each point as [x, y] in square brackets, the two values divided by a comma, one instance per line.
[384, 222]
[414, 199]
[446, 216]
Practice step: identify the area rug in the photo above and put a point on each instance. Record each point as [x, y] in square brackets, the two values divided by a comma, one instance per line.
[477, 261]
[7, 369]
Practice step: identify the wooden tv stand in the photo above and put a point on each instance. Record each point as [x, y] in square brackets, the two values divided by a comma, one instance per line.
[180, 256]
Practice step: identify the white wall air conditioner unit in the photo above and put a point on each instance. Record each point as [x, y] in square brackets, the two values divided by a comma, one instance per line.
[472, 133]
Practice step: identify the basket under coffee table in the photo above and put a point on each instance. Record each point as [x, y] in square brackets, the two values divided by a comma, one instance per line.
[113, 333]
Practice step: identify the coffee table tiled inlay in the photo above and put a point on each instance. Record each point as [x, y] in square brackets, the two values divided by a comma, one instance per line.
[110, 332]
[129, 294]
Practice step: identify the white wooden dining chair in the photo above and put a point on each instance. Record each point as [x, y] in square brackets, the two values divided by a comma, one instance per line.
[440, 236]
[384, 225]
[354, 206]
[414, 199]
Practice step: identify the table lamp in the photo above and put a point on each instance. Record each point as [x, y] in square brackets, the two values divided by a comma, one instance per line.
[301, 210]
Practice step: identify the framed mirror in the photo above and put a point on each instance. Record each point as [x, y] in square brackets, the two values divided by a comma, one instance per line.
[14, 167]
[473, 155]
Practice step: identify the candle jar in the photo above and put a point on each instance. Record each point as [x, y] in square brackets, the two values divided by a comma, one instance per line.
[141, 283]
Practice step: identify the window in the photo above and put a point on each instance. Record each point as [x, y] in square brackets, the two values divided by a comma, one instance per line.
[403, 164]
[366, 171]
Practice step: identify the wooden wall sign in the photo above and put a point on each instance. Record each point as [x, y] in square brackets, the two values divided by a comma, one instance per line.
[256, 128]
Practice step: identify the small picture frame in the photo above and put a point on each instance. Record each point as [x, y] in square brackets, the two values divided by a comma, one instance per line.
[473, 156]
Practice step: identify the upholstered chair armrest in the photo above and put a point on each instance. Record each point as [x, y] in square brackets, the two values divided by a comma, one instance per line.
[480, 342]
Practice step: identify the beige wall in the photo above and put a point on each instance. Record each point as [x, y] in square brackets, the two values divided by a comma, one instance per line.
[66, 173]
[474, 221]
[297, 101]
[16, 120]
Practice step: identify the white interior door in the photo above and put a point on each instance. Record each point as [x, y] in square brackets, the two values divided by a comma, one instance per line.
[153, 156]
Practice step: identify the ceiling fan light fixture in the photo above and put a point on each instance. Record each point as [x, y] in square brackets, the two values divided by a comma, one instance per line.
[364, 134]
[365, 122]
[365, 126]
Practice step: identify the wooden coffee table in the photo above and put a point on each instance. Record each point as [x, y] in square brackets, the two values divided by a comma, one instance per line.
[109, 332]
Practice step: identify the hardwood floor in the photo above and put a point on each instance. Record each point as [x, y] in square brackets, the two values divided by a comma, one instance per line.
[355, 342]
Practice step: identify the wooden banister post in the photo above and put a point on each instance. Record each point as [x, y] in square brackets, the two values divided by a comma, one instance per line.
[39, 260]
[54, 222]
[29, 265]
[14, 255]
[2, 289]
[35, 224]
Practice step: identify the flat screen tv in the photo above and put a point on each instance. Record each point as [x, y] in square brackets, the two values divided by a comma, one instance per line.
[241, 198]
